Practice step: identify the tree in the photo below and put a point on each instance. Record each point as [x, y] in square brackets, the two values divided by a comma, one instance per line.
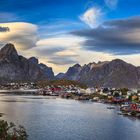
[124, 91]
[116, 94]
[8, 131]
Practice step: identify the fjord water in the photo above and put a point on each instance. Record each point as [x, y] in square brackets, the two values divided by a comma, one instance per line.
[60, 119]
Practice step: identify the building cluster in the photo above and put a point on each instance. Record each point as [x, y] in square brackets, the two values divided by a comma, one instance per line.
[129, 99]
[112, 94]
[17, 86]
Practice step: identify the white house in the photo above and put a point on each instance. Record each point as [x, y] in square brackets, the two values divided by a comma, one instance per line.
[90, 91]
[82, 91]
[130, 92]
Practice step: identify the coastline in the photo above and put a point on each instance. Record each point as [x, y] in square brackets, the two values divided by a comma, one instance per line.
[123, 109]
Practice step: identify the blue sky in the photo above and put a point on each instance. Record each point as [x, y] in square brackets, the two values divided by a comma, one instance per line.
[51, 11]
[69, 30]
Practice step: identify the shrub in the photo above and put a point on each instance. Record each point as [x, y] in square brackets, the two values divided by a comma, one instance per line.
[8, 131]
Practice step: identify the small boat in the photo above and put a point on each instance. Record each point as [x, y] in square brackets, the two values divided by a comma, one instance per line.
[120, 113]
[138, 115]
[91, 100]
[125, 114]
[129, 114]
[122, 106]
[110, 107]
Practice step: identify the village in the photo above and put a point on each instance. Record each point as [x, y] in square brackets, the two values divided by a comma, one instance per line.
[127, 99]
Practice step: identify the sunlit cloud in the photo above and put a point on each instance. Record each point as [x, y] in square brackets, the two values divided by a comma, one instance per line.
[23, 35]
[60, 50]
[67, 53]
[59, 60]
[92, 17]
[65, 40]
[45, 51]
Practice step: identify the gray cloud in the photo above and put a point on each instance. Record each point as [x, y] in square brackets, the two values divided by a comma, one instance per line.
[4, 29]
[49, 51]
[129, 23]
[118, 37]
[57, 60]
[54, 58]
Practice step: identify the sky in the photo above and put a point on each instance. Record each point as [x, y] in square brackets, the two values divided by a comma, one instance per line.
[61, 33]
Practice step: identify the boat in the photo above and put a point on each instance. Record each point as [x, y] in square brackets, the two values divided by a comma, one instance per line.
[110, 107]
[125, 113]
[120, 113]
[91, 100]
[138, 115]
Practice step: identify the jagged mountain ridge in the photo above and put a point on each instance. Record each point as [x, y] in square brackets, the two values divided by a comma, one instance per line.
[116, 73]
[14, 67]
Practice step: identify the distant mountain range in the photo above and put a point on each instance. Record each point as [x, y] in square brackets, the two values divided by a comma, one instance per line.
[115, 73]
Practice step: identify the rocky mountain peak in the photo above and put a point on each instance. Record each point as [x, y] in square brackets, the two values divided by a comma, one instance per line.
[8, 52]
[77, 65]
[14, 67]
[118, 61]
[47, 70]
[91, 65]
[33, 60]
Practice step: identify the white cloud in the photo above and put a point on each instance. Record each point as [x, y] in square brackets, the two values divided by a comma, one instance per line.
[112, 4]
[92, 17]
[23, 35]
[67, 53]
[66, 41]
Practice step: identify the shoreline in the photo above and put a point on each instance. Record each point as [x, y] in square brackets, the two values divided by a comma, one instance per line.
[111, 106]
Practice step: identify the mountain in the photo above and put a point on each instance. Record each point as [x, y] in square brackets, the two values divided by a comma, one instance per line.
[116, 73]
[14, 67]
[47, 71]
[60, 75]
[73, 72]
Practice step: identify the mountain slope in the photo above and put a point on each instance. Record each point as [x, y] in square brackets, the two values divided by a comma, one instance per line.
[73, 72]
[116, 73]
[14, 67]
[60, 75]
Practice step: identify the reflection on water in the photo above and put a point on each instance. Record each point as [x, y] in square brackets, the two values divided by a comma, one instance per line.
[59, 119]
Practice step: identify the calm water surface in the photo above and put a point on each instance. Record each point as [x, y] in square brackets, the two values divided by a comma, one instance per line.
[60, 119]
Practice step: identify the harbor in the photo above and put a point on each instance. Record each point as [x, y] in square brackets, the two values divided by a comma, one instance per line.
[47, 117]
[128, 100]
